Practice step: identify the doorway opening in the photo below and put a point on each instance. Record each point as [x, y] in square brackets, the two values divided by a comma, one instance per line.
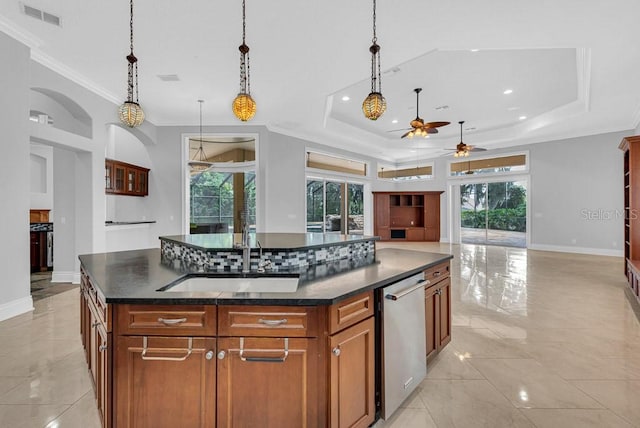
[494, 213]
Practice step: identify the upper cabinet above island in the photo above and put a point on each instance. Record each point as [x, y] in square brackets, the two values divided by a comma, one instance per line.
[123, 178]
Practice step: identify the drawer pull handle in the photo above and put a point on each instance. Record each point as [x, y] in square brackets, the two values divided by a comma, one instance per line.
[437, 273]
[172, 321]
[406, 291]
[265, 359]
[272, 323]
[147, 358]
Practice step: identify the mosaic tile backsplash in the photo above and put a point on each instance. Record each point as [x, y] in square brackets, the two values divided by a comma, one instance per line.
[190, 259]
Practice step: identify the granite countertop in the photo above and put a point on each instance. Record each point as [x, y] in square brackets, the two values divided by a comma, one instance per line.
[268, 241]
[135, 276]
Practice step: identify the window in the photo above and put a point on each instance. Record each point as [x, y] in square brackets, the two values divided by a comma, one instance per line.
[405, 174]
[493, 165]
[335, 207]
[223, 197]
[336, 164]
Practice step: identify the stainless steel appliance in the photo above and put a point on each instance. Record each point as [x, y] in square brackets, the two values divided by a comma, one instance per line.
[404, 347]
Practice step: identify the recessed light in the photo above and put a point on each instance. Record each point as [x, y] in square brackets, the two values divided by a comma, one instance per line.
[508, 91]
[394, 121]
[475, 50]
[522, 117]
[412, 151]
[513, 108]
[346, 98]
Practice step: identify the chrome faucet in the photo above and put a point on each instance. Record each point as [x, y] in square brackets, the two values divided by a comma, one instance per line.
[246, 248]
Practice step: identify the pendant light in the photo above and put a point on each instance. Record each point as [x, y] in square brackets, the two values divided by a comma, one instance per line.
[374, 105]
[130, 112]
[244, 107]
[199, 162]
[461, 149]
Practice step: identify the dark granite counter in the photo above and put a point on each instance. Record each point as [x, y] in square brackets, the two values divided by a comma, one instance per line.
[135, 276]
[268, 241]
[124, 223]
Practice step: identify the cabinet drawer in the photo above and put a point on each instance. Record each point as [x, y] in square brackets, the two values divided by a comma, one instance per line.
[437, 273]
[174, 320]
[268, 321]
[350, 311]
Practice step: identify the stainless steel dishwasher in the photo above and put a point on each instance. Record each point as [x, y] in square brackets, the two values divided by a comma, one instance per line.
[404, 342]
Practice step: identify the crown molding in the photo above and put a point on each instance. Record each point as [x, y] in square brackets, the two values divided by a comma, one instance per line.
[20, 34]
[73, 75]
[34, 43]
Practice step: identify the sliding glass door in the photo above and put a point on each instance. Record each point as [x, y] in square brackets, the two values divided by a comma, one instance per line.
[335, 207]
[494, 213]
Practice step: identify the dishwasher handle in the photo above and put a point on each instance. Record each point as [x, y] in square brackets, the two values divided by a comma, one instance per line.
[409, 290]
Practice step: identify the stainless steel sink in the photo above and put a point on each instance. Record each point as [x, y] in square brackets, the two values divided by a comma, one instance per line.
[236, 284]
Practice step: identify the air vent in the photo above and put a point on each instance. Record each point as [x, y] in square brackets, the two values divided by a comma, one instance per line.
[41, 15]
[442, 107]
[169, 77]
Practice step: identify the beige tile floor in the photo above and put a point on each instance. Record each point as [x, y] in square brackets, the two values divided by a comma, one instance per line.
[540, 339]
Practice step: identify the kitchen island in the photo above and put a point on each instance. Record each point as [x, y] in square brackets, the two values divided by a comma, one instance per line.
[302, 357]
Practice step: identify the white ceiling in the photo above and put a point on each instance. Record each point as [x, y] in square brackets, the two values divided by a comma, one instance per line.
[573, 65]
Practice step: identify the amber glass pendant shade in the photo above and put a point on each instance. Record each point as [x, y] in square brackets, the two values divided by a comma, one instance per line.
[244, 107]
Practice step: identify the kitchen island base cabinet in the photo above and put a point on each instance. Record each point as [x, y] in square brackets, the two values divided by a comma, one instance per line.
[352, 373]
[267, 382]
[437, 316]
[165, 382]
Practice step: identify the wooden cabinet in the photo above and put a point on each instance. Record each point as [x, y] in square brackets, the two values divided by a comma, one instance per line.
[352, 376]
[230, 365]
[122, 178]
[96, 337]
[165, 381]
[39, 216]
[267, 382]
[268, 357]
[437, 309]
[407, 216]
[351, 354]
[631, 193]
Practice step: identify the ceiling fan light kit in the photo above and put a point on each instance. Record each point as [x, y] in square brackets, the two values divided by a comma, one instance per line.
[418, 127]
[130, 112]
[374, 105]
[462, 150]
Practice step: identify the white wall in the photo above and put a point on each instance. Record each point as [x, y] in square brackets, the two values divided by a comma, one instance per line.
[41, 177]
[14, 183]
[64, 216]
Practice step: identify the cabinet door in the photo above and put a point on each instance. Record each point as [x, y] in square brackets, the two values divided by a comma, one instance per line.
[381, 211]
[352, 375]
[415, 234]
[103, 371]
[444, 305]
[108, 176]
[141, 183]
[131, 181]
[432, 217]
[35, 251]
[431, 322]
[262, 385]
[163, 384]
[119, 172]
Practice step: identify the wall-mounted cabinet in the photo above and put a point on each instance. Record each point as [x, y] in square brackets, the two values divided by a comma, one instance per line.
[407, 216]
[122, 178]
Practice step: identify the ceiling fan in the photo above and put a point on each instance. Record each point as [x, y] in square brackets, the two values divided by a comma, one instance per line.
[418, 127]
[462, 150]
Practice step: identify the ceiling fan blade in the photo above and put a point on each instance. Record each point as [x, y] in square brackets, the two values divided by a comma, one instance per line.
[405, 134]
[431, 130]
[476, 149]
[401, 129]
[435, 124]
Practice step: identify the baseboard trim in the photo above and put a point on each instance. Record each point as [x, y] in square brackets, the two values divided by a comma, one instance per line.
[577, 250]
[16, 307]
[62, 276]
[444, 241]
